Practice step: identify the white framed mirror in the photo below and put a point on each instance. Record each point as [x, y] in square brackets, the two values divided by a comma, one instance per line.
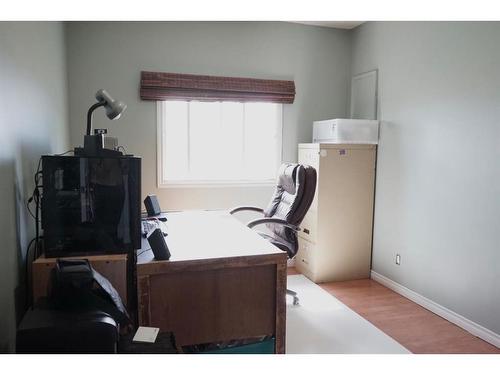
[364, 95]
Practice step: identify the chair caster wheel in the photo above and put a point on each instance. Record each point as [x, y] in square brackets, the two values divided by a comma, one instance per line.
[295, 301]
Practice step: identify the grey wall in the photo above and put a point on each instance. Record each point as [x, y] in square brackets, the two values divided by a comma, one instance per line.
[111, 56]
[438, 178]
[33, 121]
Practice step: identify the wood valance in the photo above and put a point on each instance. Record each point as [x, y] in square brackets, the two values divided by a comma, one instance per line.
[173, 86]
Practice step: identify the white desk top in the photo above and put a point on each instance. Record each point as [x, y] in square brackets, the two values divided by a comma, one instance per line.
[197, 235]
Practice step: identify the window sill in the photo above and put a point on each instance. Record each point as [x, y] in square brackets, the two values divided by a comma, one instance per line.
[215, 184]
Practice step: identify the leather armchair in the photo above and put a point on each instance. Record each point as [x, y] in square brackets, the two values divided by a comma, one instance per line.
[292, 198]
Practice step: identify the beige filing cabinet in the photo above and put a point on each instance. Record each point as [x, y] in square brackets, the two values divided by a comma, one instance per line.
[335, 243]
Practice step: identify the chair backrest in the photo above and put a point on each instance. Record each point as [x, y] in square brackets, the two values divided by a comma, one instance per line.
[293, 195]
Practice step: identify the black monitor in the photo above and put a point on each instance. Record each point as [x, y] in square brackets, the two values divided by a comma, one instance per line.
[91, 205]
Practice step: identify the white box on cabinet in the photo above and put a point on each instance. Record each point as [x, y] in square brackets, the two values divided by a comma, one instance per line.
[346, 131]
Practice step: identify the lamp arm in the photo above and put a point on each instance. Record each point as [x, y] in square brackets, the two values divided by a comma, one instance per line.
[89, 115]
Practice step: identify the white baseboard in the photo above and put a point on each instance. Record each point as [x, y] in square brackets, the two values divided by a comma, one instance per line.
[473, 328]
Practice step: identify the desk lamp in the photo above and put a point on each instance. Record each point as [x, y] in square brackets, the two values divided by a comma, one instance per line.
[94, 143]
[114, 108]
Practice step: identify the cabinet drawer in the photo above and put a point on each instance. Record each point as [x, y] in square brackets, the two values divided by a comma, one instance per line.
[309, 156]
[304, 257]
[309, 226]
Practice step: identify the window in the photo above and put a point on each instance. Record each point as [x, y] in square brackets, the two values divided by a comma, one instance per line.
[218, 143]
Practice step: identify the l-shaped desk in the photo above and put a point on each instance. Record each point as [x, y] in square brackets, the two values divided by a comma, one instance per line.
[222, 282]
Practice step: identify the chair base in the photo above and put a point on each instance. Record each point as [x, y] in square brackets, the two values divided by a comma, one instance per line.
[294, 295]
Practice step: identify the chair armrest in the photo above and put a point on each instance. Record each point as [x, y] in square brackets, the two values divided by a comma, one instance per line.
[245, 208]
[272, 220]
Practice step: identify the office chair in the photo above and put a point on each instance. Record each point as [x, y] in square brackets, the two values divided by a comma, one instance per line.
[293, 195]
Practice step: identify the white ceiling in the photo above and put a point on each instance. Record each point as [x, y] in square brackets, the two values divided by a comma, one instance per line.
[333, 24]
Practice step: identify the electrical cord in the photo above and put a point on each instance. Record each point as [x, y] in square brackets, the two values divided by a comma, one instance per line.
[143, 251]
[64, 153]
[35, 197]
[29, 209]
[27, 254]
[32, 252]
[36, 192]
[29, 274]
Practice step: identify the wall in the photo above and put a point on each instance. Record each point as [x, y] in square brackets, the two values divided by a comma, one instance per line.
[111, 56]
[33, 121]
[438, 178]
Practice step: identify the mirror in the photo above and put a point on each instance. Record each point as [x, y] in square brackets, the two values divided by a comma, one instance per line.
[364, 96]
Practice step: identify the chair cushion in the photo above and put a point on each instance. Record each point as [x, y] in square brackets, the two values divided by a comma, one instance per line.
[287, 194]
[280, 244]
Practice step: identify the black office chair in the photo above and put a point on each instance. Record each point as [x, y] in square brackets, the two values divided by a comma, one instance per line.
[291, 200]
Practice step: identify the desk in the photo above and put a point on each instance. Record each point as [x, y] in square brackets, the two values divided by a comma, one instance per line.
[222, 282]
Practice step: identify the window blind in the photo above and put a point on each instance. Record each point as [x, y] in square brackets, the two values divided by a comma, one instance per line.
[174, 86]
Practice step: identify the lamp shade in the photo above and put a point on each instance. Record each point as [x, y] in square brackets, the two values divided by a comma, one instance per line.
[114, 108]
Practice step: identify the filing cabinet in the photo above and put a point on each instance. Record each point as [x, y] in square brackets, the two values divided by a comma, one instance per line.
[336, 238]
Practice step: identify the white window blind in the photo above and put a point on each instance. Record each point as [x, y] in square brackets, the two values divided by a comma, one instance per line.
[218, 143]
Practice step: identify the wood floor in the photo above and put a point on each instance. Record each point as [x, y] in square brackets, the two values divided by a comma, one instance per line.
[414, 327]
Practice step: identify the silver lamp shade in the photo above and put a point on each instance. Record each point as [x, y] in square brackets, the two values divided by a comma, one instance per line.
[114, 108]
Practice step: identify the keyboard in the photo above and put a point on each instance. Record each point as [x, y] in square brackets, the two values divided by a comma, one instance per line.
[150, 225]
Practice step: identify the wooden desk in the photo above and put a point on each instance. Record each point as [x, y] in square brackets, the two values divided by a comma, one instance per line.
[222, 282]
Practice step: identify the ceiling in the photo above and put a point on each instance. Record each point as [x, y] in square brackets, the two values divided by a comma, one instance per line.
[333, 24]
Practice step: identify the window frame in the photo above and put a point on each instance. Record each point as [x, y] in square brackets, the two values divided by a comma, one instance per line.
[162, 183]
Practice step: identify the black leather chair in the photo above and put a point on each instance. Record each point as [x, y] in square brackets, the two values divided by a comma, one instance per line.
[291, 200]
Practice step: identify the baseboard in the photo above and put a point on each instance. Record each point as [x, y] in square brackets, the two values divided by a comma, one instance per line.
[473, 328]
